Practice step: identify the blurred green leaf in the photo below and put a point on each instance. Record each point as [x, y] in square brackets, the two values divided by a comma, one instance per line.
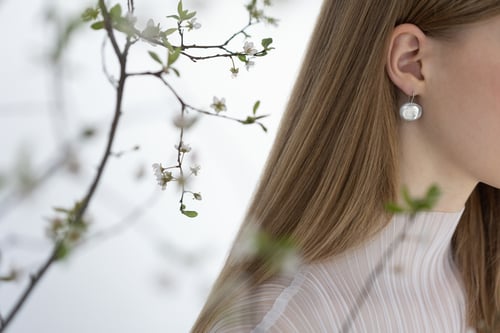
[256, 107]
[115, 12]
[188, 16]
[182, 14]
[407, 198]
[266, 42]
[175, 71]
[180, 10]
[394, 208]
[88, 132]
[98, 25]
[414, 205]
[12, 276]
[174, 17]
[62, 251]
[155, 57]
[152, 30]
[190, 213]
[90, 14]
[170, 31]
[61, 210]
[173, 56]
[433, 195]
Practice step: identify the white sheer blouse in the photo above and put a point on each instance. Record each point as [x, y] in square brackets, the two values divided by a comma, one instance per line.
[418, 290]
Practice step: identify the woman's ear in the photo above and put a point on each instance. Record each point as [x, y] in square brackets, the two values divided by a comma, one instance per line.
[404, 58]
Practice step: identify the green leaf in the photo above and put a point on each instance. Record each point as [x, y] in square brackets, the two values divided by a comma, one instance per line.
[170, 31]
[62, 251]
[242, 57]
[152, 30]
[167, 44]
[175, 71]
[433, 194]
[180, 10]
[174, 17]
[125, 26]
[260, 117]
[266, 42]
[12, 276]
[61, 210]
[249, 120]
[391, 207]
[188, 16]
[256, 107]
[407, 198]
[98, 25]
[155, 57]
[90, 14]
[264, 128]
[190, 213]
[116, 11]
[173, 56]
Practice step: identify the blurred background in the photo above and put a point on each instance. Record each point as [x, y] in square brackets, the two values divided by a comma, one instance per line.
[147, 267]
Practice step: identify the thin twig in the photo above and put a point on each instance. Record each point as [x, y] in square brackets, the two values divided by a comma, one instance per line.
[183, 47]
[180, 157]
[159, 75]
[34, 279]
[122, 57]
[131, 6]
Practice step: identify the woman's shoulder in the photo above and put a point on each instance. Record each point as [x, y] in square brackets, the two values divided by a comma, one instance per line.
[290, 303]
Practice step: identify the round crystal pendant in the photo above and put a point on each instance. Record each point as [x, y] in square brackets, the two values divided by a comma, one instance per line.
[410, 111]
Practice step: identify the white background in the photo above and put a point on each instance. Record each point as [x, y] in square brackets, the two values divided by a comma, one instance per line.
[154, 275]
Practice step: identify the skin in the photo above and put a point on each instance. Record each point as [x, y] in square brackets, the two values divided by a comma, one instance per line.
[456, 142]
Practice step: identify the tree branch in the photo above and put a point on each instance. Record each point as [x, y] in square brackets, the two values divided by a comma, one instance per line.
[122, 57]
[34, 279]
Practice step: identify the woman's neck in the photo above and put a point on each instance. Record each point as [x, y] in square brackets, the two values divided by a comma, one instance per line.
[422, 164]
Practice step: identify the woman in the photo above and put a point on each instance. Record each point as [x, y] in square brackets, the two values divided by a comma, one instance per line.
[350, 139]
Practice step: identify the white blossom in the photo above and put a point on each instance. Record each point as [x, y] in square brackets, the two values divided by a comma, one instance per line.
[163, 177]
[192, 24]
[248, 48]
[249, 64]
[219, 104]
[195, 169]
[158, 169]
[131, 18]
[183, 148]
[234, 72]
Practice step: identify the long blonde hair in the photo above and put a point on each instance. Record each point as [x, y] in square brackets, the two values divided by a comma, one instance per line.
[335, 160]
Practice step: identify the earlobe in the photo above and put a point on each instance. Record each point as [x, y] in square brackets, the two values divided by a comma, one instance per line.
[404, 58]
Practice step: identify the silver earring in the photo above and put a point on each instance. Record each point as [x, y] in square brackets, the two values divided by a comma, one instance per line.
[410, 111]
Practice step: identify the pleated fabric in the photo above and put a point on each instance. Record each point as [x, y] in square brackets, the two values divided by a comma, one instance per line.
[419, 288]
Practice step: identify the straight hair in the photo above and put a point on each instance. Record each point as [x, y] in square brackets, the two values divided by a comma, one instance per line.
[334, 163]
